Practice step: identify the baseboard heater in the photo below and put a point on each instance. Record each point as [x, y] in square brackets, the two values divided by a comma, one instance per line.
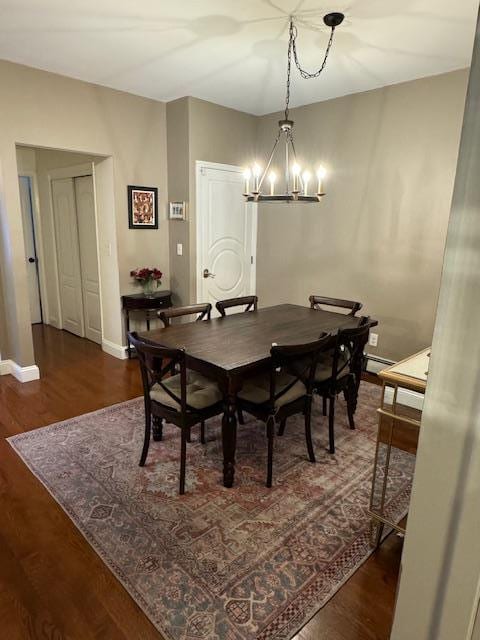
[406, 397]
[375, 364]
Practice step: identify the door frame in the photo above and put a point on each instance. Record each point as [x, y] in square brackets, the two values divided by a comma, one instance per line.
[217, 166]
[37, 232]
[75, 171]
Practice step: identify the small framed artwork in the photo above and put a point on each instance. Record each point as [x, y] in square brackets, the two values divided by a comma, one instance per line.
[178, 211]
[142, 207]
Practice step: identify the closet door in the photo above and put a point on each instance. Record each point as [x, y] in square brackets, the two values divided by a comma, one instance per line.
[87, 235]
[68, 255]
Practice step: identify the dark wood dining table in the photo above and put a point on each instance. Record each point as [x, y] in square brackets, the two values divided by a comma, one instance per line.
[232, 348]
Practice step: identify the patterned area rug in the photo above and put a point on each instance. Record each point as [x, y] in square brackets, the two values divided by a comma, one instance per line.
[216, 563]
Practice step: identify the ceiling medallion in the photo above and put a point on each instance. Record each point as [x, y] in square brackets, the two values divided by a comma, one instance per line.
[296, 182]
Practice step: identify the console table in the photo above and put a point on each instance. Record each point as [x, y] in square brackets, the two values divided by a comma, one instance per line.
[144, 302]
[396, 428]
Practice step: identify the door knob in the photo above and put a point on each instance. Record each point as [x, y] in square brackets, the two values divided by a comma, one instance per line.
[207, 274]
[31, 260]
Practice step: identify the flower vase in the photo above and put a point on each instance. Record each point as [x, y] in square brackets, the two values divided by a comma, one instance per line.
[148, 288]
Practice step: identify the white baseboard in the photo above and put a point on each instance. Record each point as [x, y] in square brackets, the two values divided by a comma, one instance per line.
[22, 374]
[404, 396]
[4, 367]
[115, 350]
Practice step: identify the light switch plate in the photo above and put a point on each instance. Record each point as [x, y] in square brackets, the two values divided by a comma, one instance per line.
[179, 249]
[373, 339]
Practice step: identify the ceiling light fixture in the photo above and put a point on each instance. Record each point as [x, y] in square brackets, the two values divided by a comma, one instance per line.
[296, 182]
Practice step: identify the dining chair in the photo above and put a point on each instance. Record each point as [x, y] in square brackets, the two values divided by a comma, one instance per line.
[341, 374]
[184, 399]
[276, 395]
[317, 302]
[249, 302]
[202, 311]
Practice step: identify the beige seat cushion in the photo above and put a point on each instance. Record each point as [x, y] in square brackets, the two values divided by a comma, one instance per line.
[201, 391]
[257, 390]
[324, 367]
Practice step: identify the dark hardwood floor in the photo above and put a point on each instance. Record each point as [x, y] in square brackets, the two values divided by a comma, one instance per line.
[53, 586]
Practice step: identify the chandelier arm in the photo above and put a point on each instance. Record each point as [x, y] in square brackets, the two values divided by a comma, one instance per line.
[290, 137]
[287, 166]
[306, 74]
[269, 161]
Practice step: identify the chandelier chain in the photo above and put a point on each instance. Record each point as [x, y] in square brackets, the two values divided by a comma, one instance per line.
[292, 49]
[289, 71]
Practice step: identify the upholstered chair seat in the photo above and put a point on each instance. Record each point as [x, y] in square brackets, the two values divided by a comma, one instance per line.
[201, 391]
[257, 389]
[325, 363]
[323, 370]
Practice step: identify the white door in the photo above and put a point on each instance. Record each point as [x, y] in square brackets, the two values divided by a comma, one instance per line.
[87, 235]
[226, 240]
[68, 255]
[30, 249]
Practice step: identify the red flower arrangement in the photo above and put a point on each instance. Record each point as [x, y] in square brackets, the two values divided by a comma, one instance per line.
[147, 277]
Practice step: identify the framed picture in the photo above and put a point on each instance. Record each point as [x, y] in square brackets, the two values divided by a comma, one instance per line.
[178, 211]
[142, 207]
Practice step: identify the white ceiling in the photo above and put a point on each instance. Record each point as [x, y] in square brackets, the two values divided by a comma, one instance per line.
[233, 52]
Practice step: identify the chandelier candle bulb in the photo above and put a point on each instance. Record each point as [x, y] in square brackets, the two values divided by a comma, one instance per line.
[247, 175]
[320, 175]
[296, 174]
[306, 178]
[257, 171]
[272, 177]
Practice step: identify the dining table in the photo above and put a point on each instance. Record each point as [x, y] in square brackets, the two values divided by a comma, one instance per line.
[233, 348]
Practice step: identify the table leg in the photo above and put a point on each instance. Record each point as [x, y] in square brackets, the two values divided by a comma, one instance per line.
[229, 440]
[148, 319]
[127, 328]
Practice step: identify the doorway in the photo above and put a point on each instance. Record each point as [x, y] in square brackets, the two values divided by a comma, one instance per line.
[89, 186]
[31, 253]
[226, 234]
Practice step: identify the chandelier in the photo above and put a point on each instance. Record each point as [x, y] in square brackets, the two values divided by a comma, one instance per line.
[296, 183]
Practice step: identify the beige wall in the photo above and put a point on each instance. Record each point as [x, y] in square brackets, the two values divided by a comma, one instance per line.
[46, 110]
[211, 133]
[178, 145]
[378, 235]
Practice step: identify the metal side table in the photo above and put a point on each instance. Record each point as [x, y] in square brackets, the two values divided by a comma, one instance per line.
[397, 428]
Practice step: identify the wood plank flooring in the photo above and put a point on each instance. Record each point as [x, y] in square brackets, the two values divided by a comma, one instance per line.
[53, 586]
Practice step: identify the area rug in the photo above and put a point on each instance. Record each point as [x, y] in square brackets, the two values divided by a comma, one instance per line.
[219, 564]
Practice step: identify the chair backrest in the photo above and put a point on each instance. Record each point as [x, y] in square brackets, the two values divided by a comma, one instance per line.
[351, 343]
[156, 362]
[250, 303]
[202, 311]
[316, 302]
[300, 360]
